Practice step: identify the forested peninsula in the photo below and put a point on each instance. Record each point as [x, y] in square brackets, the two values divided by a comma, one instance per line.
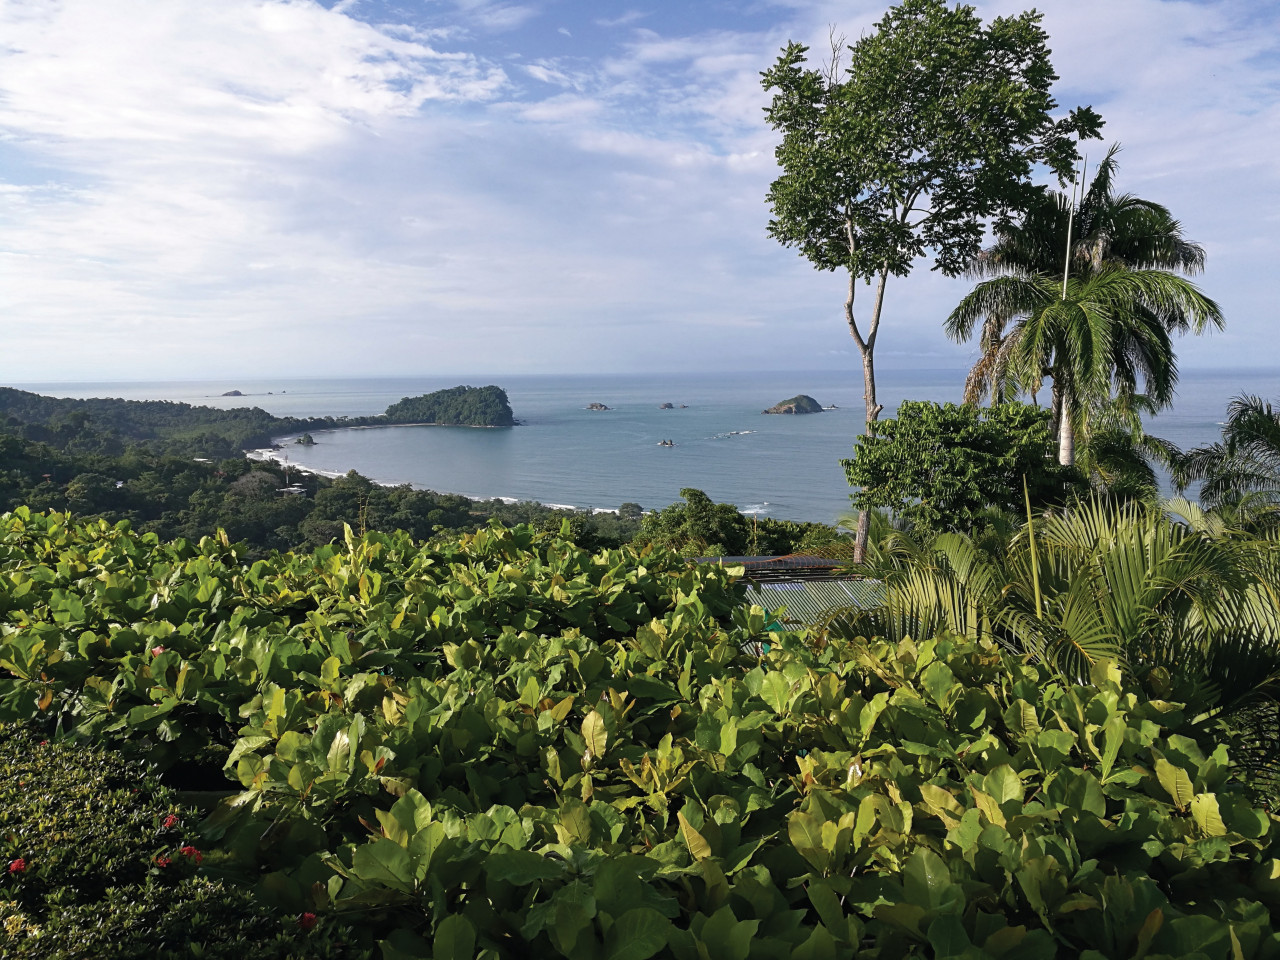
[109, 426]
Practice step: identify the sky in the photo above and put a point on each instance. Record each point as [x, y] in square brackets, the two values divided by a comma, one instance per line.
[293, 188]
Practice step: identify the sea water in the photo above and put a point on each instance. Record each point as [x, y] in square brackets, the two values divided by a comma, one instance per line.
[563, 453]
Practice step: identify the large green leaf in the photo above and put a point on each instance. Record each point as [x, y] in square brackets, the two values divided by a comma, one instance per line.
[637, 935]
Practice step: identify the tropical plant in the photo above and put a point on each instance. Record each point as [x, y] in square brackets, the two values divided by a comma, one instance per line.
[945, 467]
[1103, 331]
[1192, 613]
[1243, 470]
[506, 747]
[700, 527]
[875, 169]
[98, 859]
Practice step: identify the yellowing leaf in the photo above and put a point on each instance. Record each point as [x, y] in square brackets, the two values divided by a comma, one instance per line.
[941, 803]
[987, 804]
[1176, 783]
[561, 709]
[594, 733]
[1150, 927]
[1204, 808]
[696, 842]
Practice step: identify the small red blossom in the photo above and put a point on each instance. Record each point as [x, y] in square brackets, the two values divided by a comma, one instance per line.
[170, 821]
[163, 861]
[17, 866]
[44, 743]
[193, 853]
[156, 651]
[307, 921]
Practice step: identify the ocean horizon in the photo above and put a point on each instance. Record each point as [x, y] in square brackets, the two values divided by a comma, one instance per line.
[566, 455]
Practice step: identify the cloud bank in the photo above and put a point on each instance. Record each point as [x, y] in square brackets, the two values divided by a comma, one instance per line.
[282, 187]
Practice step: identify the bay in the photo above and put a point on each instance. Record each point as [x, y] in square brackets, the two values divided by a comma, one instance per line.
[562, 453]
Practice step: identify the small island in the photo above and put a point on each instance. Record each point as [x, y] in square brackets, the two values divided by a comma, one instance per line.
[233, 393]
[797, 404]
[306, 440]
[666, 406]
[598, 406]
[456, 406]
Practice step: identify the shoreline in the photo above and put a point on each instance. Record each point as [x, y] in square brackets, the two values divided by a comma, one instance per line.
[277, 456]
[381, 426]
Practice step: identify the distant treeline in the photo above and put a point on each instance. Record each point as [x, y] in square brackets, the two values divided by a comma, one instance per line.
[109, 426]
[178, 471]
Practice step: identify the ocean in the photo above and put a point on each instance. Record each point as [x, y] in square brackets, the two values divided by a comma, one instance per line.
[564, 454]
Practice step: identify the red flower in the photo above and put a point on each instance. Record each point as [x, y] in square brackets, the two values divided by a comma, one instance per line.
[170, 821]
[163, 861]
[307, 921]
[156, 651]
[193, 853]
[17, 866]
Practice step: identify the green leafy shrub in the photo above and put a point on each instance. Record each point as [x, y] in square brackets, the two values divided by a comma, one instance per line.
[942, 466]
[77, 821]
[506, 747]
[96, 860]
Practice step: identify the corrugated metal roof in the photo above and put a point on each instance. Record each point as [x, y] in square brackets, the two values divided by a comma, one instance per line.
[790, 567]
[807, 601]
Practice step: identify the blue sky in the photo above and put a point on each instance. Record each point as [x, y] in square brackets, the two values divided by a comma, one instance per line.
[208, 188]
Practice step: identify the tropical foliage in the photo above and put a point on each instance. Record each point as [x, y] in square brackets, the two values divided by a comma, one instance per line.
[98, 859]
[509, 747]
[1189, 611]
[945, 467]
[1103, 332]
[699, 527]
[467, 406]
[1243, 470]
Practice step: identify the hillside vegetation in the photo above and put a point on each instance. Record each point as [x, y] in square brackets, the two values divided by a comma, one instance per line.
[505, 746]
[110, 426]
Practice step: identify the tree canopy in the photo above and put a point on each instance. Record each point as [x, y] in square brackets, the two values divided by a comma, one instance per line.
[941, 466]
[460, 406]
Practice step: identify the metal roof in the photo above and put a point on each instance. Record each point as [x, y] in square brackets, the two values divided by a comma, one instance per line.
[807, 586]
[790, 567]
[807, 601]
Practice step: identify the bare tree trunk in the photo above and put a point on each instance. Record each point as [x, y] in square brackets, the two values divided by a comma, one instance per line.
[867, 349]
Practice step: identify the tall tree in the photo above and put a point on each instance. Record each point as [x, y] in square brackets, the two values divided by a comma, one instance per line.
[930, 132]
[1104, 330]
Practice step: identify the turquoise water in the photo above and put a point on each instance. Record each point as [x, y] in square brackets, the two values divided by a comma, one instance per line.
[562, 453]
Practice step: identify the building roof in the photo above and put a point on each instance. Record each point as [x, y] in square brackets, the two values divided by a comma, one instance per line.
[808, 587]
[791, 567]
[809, 601]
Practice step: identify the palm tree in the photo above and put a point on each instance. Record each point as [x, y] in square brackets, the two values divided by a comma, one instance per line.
[1104, 330]
[1243, 470]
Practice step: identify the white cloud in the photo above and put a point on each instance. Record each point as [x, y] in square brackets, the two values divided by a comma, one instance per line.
[241, 184]
[626, 19]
